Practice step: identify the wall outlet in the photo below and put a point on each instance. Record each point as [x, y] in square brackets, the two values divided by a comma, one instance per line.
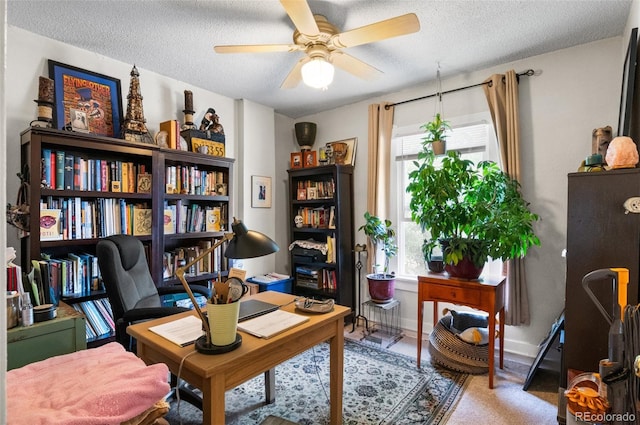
[632, 205]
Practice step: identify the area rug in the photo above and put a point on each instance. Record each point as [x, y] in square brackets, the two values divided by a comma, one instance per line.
[380, 387]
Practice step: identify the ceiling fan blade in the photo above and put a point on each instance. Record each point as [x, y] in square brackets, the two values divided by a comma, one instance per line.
[354, 66]
[400, 25]
[301, 15]
[295, 76]
[256, 48]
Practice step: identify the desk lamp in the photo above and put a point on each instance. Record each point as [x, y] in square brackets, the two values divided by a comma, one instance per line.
[243, 243]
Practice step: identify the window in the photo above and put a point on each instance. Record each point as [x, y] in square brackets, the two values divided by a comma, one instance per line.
[474, 137]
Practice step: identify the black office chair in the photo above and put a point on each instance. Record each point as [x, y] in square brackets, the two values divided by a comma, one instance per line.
[132, 293]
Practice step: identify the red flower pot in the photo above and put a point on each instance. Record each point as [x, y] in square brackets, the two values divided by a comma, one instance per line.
[381, 287]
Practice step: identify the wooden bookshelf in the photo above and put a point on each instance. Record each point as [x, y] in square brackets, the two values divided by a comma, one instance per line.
[99, 200]
[327, 218]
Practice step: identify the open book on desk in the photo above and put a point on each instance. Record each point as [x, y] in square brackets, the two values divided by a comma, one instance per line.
[271, 324]
[182, 332]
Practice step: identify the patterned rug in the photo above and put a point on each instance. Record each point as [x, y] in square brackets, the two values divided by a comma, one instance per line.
[380, 387]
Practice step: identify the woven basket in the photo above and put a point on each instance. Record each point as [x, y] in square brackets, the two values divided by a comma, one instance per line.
[448, 350]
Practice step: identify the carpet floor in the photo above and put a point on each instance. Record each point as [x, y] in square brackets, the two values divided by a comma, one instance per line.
[380, 387]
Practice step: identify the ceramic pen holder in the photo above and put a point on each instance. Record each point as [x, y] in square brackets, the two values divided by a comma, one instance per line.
[223, 322]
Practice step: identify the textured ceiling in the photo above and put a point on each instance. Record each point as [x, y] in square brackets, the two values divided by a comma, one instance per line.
[176, 39]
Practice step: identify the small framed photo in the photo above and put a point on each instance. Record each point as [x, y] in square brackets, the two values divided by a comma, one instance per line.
[78, 120]
[310, 159]
[296, 159]
[260, 192]
[302, 194]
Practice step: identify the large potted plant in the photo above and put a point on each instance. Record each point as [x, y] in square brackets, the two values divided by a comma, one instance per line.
[474, 211]
[435, 134]
[382, 237]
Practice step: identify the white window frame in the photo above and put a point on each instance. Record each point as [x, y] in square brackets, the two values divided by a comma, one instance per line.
[396, 181]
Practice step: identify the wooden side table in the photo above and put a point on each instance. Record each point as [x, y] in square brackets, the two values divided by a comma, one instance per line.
[486, 295]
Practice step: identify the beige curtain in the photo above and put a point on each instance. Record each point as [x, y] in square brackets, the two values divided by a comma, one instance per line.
[380, 128]
[502, 95]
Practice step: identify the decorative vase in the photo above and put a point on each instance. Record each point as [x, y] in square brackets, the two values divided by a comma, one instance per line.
[305, 134]
[381, 287]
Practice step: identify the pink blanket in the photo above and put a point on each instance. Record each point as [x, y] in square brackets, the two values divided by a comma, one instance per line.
[101, 386]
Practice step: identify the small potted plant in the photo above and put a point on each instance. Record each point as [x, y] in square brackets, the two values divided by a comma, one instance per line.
[382, 237]
[435, 134]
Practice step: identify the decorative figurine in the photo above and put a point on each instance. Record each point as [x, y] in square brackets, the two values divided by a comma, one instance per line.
[210, 122]
[45, 103]
[600, 139]
[188, 111]
[134, 128]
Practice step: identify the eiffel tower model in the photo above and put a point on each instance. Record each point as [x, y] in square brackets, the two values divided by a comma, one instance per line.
[134, 128]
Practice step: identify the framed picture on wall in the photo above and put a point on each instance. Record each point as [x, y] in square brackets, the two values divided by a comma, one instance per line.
[260, 192]
[97, 95]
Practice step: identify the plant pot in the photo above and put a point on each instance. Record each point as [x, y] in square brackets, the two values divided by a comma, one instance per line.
[439, 147]
[381, 287]
[435, 264]
[465, 269]
[305, 134]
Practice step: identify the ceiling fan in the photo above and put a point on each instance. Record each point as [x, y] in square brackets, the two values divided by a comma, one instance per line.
[323, 43]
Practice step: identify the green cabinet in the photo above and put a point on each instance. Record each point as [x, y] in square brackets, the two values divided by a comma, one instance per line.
[62, 335]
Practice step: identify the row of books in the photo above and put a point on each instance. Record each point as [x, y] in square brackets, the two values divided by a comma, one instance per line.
[320, 217]
[179, 257]
[75, 218]
[74, 276]
[316, 278]
[180, 217]
[189, 180]
[99, 318]
[66, 171]
[323, 189]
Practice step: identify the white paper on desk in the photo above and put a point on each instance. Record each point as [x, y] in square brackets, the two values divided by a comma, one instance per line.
[273, 323]
[181, 332]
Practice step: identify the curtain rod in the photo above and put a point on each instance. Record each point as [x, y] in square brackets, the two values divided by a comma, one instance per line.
[527, 73]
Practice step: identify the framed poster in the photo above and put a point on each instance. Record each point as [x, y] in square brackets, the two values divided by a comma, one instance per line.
[344, 151]
[97, 95]
[260, 192]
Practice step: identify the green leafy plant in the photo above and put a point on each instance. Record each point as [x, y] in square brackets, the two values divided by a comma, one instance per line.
[381, 235]
[435, 130]
[476, 210]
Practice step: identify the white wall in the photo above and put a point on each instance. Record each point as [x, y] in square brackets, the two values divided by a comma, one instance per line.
[163, 98]
[575, 90]
[256, 157]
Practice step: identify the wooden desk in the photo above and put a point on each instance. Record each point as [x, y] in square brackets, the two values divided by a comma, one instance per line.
[486, 295]
[215, 374]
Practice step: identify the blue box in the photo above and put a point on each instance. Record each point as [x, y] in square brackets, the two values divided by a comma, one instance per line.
[283, 285]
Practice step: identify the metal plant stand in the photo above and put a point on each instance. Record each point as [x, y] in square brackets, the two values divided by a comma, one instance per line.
[359, 249]
[385, 318]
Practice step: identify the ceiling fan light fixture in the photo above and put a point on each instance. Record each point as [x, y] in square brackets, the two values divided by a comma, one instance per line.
[317, 73]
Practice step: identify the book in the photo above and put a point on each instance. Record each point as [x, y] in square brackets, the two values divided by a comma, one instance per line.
[270, 324]
[141, 221]
[68, 171]
[59, 170]
[171, 127]
[213, 219]
[182, 332]
[169, 221]
[50, 225]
